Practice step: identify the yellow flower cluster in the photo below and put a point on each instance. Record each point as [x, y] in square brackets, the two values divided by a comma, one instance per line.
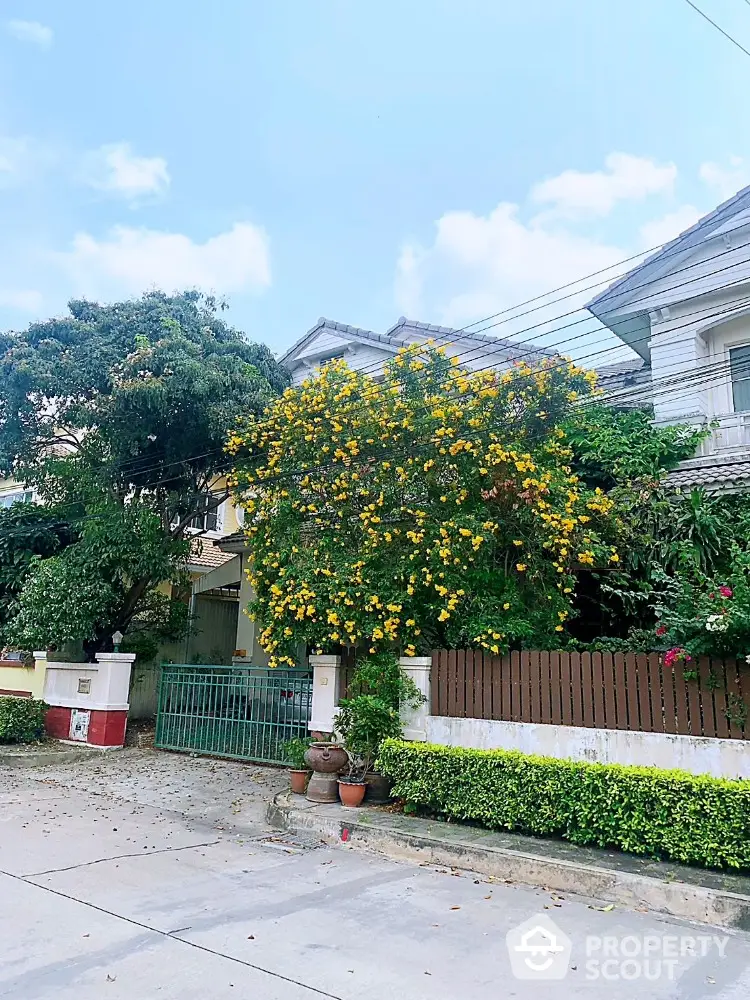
[378, 511]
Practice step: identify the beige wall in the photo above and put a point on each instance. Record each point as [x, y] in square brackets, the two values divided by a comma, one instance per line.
[23, 679]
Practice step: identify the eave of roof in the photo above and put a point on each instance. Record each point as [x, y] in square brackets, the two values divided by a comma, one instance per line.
[649, 268]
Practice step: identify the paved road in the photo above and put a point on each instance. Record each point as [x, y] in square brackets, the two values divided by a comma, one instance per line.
[115, 896]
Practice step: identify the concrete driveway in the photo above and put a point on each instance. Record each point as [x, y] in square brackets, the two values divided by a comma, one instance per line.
[146, 875]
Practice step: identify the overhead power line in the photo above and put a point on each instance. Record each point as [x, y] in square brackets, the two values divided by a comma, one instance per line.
[718, 27]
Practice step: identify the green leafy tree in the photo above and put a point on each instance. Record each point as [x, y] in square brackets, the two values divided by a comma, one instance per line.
[120, 413]
[28, 534]
[612, 446]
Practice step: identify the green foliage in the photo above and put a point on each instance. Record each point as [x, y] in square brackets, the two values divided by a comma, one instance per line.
[294, 752]
[614, 446]
[665, 534]
[433, 508]
[708, 615]
[28, 533]
[21, 720]
[138, 400]
[371, 712]
[693, 819]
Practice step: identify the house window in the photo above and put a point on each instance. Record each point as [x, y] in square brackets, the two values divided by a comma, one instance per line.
[21, 496]
[739, 362]
[206, 520]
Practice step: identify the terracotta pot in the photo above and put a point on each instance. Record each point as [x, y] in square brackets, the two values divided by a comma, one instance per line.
[326, 758]
[298, 780]
[351, 793]
[378, 788]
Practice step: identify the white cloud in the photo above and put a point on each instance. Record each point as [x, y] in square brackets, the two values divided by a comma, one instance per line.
[725, 181]
[15, 155]
[658, 231]
[129, 261]
[117, 170]
[478, 265]
[21, 299]
[626, 178]
[23, 159]
[30, 31]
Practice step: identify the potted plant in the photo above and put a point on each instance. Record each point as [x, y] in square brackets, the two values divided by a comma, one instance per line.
[371, 713]
[352, 785]
[363, 721]
[299, 773]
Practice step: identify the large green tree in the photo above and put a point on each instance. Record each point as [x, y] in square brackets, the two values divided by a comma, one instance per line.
[120, 413]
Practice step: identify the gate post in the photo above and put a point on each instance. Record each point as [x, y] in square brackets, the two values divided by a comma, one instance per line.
[414, 719]
[326, 689]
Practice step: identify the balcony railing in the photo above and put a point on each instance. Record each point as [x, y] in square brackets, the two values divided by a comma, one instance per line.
[731, 432]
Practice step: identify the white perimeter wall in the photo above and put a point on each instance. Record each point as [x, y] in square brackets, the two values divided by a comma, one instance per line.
[697, 754]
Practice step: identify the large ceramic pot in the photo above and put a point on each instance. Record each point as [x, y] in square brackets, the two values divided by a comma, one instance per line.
[326, 758]
[378, 788]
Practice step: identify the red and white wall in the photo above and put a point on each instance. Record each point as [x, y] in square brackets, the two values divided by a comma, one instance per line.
[88, 701]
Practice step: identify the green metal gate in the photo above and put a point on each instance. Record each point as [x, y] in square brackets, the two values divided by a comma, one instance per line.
[242, 712]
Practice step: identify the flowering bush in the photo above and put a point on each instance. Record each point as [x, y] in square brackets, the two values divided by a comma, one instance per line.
[436, 506]
[704, 616]
[675, 655]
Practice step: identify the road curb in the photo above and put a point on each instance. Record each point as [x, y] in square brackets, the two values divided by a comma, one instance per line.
[718, 907]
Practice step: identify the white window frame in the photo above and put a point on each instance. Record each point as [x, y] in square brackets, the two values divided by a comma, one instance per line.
[729, 348]
[216, 532]
[25, 496]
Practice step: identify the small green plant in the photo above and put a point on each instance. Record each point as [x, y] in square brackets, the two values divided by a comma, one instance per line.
[294, 751]
[371, 713]
[21, 720]
[694, 819]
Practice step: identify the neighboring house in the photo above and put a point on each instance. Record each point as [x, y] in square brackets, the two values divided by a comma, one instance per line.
[367, 351]
[685, 312]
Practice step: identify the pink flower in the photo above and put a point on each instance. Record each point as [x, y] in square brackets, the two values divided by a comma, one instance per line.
[673, 655]
[661, 630]
[725, 591]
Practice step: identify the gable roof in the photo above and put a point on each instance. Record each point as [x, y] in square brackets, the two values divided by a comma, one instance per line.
[660, 262]
[406, 331]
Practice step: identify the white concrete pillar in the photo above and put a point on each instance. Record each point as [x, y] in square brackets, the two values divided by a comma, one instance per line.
[113, 681]
[414, 719]
[327, 686]
[247, 629]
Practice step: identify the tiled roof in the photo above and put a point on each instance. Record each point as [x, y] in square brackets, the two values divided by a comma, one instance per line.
[633, 374]
[404, 331]
[718, 476]
[205, 554]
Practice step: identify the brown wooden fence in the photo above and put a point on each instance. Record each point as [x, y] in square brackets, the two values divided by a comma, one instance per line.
[594, 690]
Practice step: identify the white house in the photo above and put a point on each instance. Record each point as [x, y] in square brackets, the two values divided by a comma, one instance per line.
[685, 311]
[367, 351]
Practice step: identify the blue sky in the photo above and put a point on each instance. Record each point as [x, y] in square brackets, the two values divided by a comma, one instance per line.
[438, 158]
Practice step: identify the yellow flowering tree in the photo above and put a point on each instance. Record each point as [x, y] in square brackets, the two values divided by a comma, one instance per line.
[435, 507]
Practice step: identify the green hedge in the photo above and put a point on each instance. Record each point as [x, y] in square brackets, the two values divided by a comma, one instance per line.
[690, 818]
[21, 720]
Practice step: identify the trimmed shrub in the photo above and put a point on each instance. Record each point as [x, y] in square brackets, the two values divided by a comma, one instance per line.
[695, 819]
[21, 719]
